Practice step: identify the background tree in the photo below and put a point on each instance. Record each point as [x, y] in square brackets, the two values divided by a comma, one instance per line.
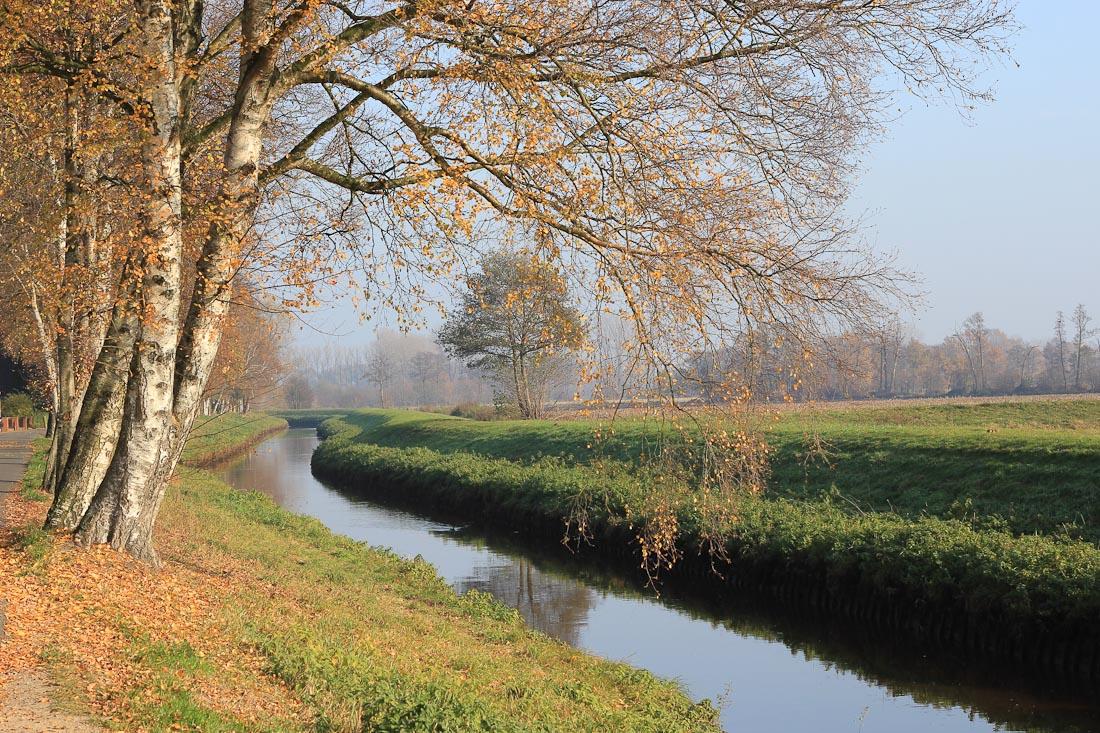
[380, 369]
[888, 336]
[249, 367]
[428, 372]
[972, 339]
[515, 320]
[1081, 334]
[297, 392]
[1056, 354]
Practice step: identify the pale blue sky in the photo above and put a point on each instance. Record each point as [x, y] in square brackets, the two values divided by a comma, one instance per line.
[999, 214]
[996, 213]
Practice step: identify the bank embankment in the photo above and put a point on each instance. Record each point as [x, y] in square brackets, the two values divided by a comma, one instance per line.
[262, 620]
[968, 582]
[219, 438]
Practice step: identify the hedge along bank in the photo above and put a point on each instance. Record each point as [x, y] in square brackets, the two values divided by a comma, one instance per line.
[1030, 600]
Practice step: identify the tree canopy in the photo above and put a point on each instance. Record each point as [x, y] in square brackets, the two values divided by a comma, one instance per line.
[685, 159]
[515, 320]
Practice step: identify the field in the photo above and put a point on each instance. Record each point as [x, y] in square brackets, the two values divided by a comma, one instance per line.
[1034, 465]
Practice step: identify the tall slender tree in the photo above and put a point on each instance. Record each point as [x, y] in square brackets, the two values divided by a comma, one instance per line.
[1060, 350]
[1081, 334]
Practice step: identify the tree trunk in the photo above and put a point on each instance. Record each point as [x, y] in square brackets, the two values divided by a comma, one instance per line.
[50, 358]
[66, 372]
[170, 367]
[96, 431]
[124, 508]
[531, 407]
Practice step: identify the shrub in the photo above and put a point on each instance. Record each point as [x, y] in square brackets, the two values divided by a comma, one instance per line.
[18, 404]
[474, 411]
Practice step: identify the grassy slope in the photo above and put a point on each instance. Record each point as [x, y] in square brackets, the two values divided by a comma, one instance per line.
[361, 639]
[216, 438]
[1035, 464]
[972, 564]
[365, 635]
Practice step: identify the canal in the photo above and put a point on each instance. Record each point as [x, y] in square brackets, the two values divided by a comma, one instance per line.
[767, 668]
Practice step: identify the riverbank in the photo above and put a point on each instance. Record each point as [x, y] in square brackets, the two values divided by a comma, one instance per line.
[264, 620]
[969, 582]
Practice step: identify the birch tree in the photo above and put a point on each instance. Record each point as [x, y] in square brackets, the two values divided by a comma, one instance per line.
[685, 158]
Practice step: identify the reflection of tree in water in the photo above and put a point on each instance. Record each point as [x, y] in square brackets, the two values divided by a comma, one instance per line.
[553, 605]
[266, 473]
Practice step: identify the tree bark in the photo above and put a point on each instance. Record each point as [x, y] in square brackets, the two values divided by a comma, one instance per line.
[172, 366]
[96, 432]
[124, 508]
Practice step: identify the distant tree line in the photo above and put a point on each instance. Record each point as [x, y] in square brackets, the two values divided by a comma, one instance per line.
[883, 359]
[888, 359]
[393, 369]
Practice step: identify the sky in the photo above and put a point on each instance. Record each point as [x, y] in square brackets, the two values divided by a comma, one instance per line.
[995, 213]
[998, 214]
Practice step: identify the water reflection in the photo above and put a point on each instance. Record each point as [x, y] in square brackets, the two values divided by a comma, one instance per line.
[551, 603]
[774, 668]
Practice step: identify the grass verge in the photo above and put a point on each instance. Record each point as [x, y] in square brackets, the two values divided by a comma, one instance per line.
[225, 436]
[31, 487]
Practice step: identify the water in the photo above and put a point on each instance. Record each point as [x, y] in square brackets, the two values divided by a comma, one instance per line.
[767, 668]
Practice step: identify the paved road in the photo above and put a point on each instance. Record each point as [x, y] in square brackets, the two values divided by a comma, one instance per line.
[15, 451]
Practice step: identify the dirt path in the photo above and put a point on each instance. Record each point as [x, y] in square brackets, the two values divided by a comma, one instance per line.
[15, 451]
[25, 695]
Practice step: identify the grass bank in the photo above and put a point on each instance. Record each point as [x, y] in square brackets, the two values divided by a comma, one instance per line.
[933, 558]
[221, 437]
[1028, 467]
[265, 621]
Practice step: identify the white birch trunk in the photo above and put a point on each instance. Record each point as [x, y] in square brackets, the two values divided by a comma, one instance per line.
[96, 431]
[125, 506]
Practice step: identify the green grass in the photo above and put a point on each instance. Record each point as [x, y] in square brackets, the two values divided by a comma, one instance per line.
[166, 703]
[368, 641]
[961, 516]
[31, 487]
[525, 441]
[36, 543]
[375, 642]
[223, 436]
[1038, 471]
[1035, 466]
